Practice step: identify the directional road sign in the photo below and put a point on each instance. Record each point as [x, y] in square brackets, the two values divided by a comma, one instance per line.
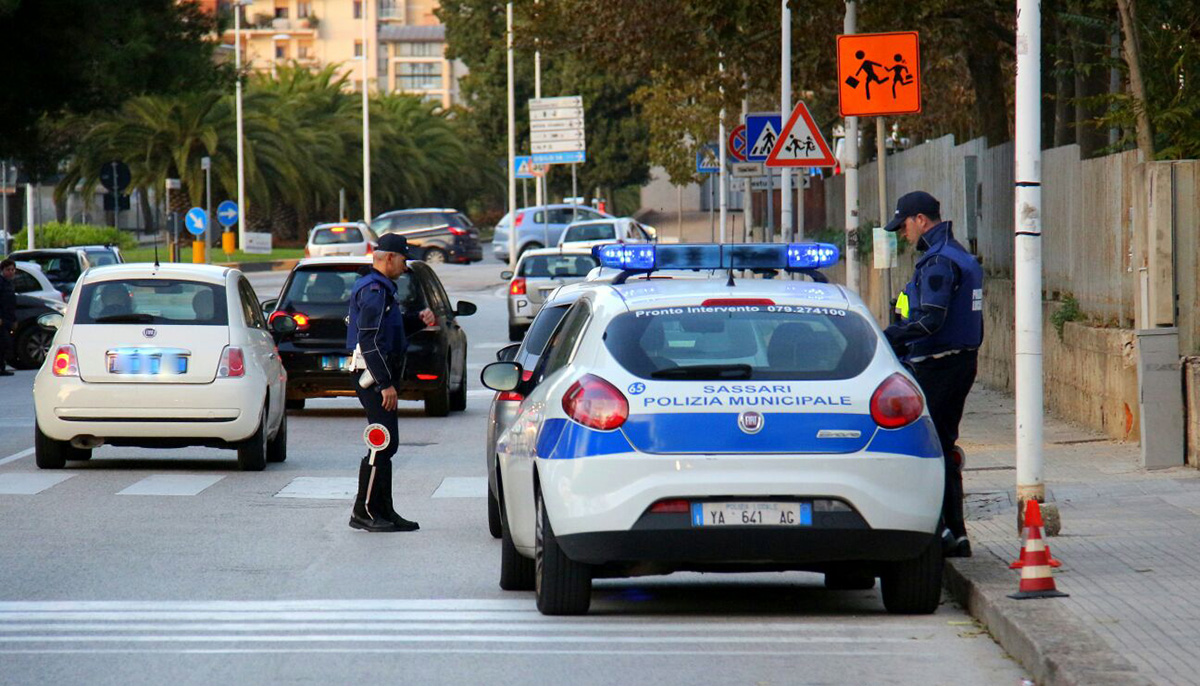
[708, 159]
[879, 74]
[556, 133]
[737, 143]
[800, 143]
[115, 176]
[227, 213]
[196, 221]
[762, 130]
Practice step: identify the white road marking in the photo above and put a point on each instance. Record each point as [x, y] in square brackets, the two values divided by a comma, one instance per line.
[480, 393]
[875, 654]
[30, 483]
[321, 488]
[172, 484]
[489, 346]
[16, 456]
[462, 487]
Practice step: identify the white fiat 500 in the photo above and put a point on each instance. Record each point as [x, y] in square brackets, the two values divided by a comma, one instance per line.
[719, 425]
[162, 357]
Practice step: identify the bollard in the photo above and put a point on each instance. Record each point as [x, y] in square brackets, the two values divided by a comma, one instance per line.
[198, 252]
[229, 243]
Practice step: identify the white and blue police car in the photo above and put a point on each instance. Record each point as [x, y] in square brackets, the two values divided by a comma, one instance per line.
[718, 425]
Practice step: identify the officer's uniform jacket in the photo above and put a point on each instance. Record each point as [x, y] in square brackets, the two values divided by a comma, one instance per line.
[378, 326]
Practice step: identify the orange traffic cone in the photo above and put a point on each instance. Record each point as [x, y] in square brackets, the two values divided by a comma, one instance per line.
[1036, 579]
[1033, 517]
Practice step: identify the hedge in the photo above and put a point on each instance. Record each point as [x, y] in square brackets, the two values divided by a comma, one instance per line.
[65, 235]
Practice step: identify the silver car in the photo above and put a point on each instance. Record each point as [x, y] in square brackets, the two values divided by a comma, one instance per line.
[504, 408]
[540, 273]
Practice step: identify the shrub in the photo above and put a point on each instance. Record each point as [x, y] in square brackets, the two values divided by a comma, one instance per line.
[65, 235]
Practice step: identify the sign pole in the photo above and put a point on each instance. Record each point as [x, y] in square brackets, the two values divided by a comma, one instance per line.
[748, 194]
[30, 200]
[785, 106]
[574, 193]
[206, 162]
[538, 190]
[243, 206]
[512, 144]
[1027, 273]
[721, 161]
[850, 165]
[881, 173]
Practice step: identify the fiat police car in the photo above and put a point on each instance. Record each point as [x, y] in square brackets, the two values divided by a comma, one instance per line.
[729, 424]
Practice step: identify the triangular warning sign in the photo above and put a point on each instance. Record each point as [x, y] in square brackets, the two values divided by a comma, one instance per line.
[801, 143]
[766, 140]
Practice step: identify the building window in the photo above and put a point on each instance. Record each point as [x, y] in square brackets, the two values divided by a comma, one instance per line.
[419, 49]
[281, 51]
[358, 9]
[303, 9]
[418, 76]
[281, 12]
[358, 48]
[304, 51]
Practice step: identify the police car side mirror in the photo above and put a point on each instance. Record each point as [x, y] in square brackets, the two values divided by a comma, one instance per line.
[501, 376]
[506, 275]
[508, 352]
[465, 309]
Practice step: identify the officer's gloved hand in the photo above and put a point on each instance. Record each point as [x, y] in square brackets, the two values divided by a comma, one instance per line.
[901, 349]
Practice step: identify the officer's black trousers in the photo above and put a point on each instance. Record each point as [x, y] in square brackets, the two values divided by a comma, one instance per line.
[946, 382]
[375, 481]
[6, 344]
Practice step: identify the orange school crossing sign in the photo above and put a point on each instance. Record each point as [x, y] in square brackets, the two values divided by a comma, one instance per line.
[879, 74]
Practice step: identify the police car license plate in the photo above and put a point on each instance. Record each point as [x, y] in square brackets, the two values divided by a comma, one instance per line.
[335, 363]
[752, 514]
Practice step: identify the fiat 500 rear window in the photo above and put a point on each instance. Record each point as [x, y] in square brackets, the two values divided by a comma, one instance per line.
[743, 342]
[152, 301]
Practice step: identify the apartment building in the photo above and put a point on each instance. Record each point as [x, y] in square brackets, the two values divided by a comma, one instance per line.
[405, 45]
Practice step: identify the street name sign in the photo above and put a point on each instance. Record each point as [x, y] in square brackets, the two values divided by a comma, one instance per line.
[747, 170]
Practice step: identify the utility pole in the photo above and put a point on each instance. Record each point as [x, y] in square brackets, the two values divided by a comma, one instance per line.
[366, 116]
[721, 172]
[881, 174]
[850, 165]
[785, 109]
[748, 194]
[243, 206]
[512, 146]
[1027, 273]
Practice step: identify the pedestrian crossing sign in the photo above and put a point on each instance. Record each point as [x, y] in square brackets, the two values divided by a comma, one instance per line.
[800, 143]
[762, 131]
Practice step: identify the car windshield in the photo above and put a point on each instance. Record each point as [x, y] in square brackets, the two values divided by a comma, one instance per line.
[152, 301]
[557, 266]
[337, 234]
[591, 232]
[332, 284]
[742, 342]
[99, 258]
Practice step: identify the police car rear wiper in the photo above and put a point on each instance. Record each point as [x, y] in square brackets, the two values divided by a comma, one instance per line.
[705, 372]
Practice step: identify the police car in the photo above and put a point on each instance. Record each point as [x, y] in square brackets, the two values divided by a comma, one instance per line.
[719, 425]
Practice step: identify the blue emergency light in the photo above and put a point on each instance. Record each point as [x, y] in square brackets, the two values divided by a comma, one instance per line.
[647, 258]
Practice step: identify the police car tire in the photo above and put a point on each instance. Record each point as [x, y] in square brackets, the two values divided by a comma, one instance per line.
[437, 401]
[51, 454]
[516, 570]
[914, 587]
[562, 586]
[252, 452]
[458, 398]
[493, 505]
[277, 447]
[515, 333]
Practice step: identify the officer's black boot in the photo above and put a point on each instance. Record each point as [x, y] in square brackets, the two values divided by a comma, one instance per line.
[389, 509]
[368, 513]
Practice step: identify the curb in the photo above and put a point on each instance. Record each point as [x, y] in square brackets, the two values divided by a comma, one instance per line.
[271, 266]
[1051, 643]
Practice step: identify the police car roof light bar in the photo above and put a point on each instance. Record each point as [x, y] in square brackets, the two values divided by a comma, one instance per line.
[804, 258]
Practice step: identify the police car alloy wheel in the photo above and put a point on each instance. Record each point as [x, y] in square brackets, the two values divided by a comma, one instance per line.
[562, 586]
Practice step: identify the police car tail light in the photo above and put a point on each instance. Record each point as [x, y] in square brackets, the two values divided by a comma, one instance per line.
[896, 403]
[595, 403]
[672, 505]
[517, 287]
[66, 363]
[232, 364]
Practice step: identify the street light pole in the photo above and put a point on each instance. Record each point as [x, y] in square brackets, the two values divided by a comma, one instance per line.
[512, 145]
[366, 117]
[243, 205]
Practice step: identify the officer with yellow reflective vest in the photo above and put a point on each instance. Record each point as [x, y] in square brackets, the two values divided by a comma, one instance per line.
[938, 334]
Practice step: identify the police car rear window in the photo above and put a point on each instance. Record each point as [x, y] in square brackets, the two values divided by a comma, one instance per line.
[742, 342]
[334, 236]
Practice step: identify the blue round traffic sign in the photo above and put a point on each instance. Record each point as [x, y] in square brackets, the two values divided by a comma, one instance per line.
[227, 213]
[196, 221]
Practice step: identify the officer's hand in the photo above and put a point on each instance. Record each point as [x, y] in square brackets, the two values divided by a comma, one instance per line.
[428, 318]
[389, 398]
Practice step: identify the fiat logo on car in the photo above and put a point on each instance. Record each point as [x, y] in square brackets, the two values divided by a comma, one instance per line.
[751, 422]
[149, 333]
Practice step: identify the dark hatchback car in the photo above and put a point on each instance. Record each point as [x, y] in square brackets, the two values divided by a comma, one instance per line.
[317, 296]
[31, 340]
[442, 235]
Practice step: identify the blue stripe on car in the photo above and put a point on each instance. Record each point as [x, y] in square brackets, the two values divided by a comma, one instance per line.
[918, 439]
[562, 439]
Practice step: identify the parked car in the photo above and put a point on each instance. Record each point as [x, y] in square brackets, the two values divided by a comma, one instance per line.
[539, 226]
[161, 356]
[540, 273]
[30, 280]
[31, 340]
[100, 255]
[585, 234]
[62, 266]
[316, 295]
[441, 235]
[333, 240]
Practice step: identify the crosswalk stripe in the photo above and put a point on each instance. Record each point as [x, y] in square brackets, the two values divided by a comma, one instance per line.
[462, 487]
[30, 483]
[16, 456]
[172, 484]
[320, 488]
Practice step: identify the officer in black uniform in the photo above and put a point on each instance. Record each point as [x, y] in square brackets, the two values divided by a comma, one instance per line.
[380, 330]
[8, 312]
[938, 334]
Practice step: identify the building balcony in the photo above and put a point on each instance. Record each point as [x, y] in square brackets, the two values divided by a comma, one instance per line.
[391, 13]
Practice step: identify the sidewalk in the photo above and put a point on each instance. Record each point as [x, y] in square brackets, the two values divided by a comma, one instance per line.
[1130, 548]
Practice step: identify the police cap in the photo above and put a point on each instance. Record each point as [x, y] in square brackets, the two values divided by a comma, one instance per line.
[912, 204]
[391, 242]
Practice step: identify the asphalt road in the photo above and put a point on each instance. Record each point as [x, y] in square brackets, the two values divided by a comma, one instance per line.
[152, 567]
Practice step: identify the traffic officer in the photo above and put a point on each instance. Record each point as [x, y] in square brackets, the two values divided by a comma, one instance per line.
[938, 334]
[379, 329]
[8, 311]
